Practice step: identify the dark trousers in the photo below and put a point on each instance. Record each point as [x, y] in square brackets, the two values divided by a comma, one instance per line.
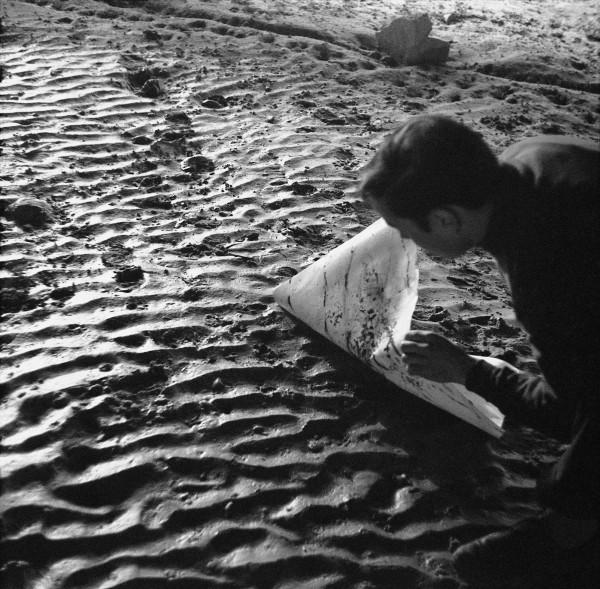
[568, 411]
[572, 485]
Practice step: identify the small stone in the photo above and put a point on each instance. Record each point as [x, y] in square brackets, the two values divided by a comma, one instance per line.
[151, 181]
[95, 390]
[181, 178]
[172, 135]
[592, 30]
[178, 117]
[151, 88]
[218, 385]
[439, 315]
[578, 64]
[315, 446]
[197, 164]
[389, 61]
[215, 101]
[480, 319]
[402, 480]
[505, 329]
[30, 211]
[137, 78]
[129, 274]
[452, 18]
[12, 300]
[211, 104]
[329, 117]
[322, 52]
[305, 103]
[302, 188]
[62, 293]
[142, 140]
[152, 35]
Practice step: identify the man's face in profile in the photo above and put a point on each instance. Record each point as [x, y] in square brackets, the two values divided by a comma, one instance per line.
[445, 236]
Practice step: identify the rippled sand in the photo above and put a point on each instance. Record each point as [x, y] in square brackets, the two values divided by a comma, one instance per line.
[164, 424]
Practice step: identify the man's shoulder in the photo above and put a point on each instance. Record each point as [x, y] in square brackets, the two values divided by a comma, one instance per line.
[549, 145]
[556, 160]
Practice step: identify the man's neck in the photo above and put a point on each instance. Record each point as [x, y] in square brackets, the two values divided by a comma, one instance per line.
[500, 202]
[479, 222]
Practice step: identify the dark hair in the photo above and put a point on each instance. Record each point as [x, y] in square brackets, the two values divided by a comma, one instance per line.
[431, 161]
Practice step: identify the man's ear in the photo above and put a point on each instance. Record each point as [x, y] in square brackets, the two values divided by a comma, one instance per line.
[444, 220]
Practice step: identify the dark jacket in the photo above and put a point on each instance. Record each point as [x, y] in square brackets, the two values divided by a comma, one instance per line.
[545, 235]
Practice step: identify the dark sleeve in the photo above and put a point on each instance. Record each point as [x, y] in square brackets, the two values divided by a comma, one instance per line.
[522, 397]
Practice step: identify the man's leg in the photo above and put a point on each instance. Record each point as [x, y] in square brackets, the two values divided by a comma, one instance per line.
[572, 486]
[561, 539]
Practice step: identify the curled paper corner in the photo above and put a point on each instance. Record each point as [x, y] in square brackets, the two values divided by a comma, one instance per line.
[452, 397]
[347, 295]
[361, 296]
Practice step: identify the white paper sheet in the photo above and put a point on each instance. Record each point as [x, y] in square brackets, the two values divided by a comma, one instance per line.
[361, 296]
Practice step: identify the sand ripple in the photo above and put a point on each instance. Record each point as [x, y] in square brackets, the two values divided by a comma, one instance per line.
[163, 423]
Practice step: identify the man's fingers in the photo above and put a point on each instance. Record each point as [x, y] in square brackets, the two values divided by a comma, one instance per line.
[420, 336]
[409, 347]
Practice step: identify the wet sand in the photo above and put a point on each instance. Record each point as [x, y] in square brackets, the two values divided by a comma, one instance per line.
[164, 424]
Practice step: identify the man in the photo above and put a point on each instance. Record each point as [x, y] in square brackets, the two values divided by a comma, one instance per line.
[536, 209]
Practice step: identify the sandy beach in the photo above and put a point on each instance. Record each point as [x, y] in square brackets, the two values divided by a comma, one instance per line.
[164, 424]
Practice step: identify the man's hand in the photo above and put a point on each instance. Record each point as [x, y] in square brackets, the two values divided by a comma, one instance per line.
[432, 356]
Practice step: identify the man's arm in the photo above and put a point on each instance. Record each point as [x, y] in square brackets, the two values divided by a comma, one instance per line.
[522, 397]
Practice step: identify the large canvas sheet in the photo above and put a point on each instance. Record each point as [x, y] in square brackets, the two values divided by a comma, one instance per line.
[361, 296]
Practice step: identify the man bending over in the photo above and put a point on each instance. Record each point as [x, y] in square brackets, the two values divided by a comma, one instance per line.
[536, 209]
